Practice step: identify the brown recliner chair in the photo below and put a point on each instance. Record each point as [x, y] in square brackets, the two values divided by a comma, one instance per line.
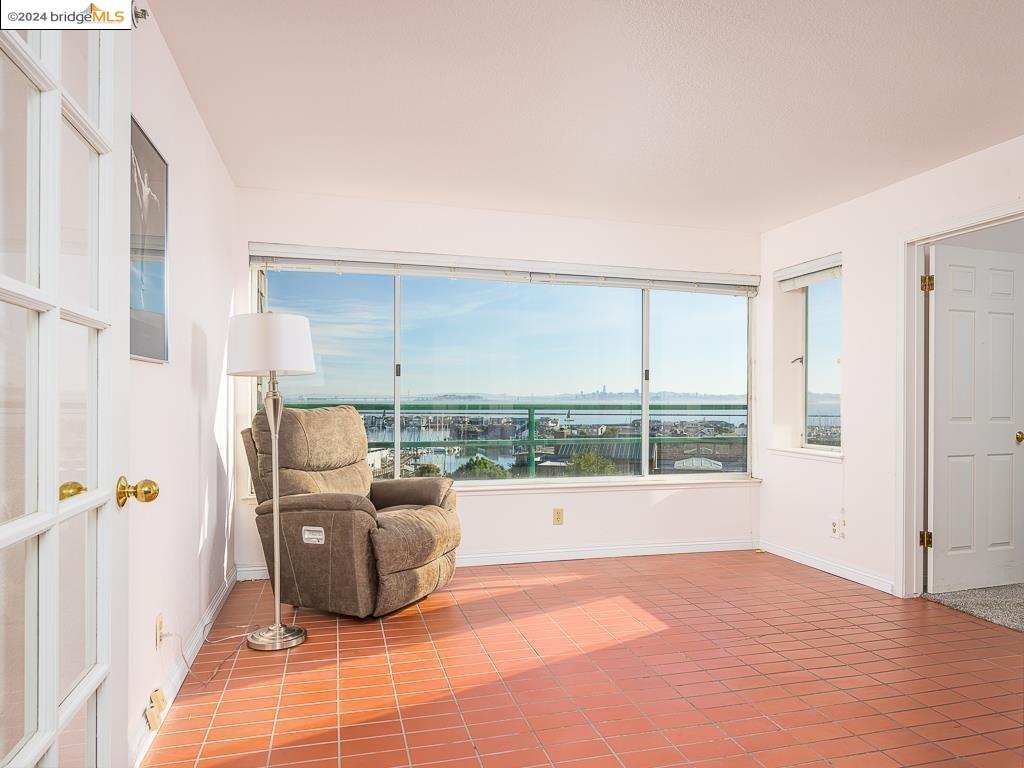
[349, 544]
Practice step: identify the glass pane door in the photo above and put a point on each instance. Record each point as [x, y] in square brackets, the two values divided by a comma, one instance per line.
[56, 362]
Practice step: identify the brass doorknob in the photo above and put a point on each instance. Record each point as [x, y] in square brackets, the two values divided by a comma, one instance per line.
[144, 490]
[69, 489]
[1020, 438]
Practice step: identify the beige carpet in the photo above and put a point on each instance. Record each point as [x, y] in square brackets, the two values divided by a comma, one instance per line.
[1000, 605]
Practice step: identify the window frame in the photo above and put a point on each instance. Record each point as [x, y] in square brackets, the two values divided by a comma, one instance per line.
[264, 258]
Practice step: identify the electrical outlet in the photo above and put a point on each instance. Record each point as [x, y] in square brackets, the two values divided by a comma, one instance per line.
[157, 698]
[159, 630]
[836, 528]
[152, 713]
[558, 516]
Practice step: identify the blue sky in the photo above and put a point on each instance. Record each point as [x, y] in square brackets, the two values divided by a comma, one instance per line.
[824, 336]
[475, 336]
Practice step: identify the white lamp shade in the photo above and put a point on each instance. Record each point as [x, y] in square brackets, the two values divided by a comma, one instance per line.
[270, 341]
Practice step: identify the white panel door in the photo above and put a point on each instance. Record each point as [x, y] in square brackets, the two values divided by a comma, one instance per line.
[64, 125]
[977, 499]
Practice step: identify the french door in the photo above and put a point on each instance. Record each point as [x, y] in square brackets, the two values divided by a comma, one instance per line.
[64, 121]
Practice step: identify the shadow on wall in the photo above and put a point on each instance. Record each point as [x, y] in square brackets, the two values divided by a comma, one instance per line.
[224, 434]
[211, 494]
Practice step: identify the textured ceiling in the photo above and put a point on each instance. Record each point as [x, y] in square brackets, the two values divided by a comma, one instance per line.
[738, 114]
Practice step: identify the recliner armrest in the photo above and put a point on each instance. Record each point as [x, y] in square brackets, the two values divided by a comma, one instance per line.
[420, 491]
[321, 501]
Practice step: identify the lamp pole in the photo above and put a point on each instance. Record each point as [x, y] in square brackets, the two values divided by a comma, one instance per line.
[273, 406]
[277, 636]
[272, 344]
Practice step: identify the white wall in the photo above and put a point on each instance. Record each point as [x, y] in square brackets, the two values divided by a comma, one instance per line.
[800, 496]
[499, 526]
[181, 554]
[280, 217]
[515, 526]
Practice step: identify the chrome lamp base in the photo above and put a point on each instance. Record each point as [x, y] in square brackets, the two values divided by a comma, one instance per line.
[276, 637]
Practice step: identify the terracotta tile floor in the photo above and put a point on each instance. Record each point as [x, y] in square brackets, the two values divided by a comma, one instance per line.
[723, 660]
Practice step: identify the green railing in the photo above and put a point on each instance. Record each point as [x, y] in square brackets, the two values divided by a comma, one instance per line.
[532, 440]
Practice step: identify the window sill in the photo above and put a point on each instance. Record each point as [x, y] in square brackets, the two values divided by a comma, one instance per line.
[502, 487]
[836, 457]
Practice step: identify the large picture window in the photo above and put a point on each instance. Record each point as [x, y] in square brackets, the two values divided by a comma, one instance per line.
[518, 379]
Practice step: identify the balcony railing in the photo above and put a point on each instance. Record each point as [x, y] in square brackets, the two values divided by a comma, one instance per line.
[529, 439]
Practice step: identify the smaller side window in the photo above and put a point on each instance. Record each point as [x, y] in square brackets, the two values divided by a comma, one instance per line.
[822, 361]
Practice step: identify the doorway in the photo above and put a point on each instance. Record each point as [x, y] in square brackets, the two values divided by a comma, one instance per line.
[973, 417]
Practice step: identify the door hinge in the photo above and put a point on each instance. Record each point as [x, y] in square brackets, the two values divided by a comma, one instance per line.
[398, 369]
[647, 374]
[927, 283]
[925, 538]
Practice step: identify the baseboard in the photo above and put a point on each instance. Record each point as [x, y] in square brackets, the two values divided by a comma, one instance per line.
[604, 550]
[829, 566]
[259, 571]
[252, 572]
[139, 736]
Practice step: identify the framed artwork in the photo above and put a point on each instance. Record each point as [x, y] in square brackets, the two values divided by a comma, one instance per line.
[148, 329]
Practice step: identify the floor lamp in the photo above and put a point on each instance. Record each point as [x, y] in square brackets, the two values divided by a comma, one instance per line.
[272, 344]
